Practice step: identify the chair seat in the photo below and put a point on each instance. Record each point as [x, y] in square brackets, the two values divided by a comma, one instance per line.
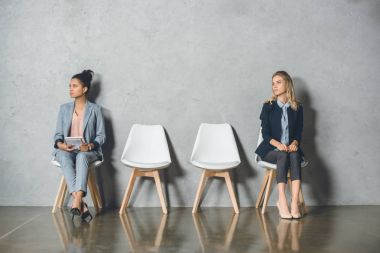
[146, 166]
[273, 166]
[215, 166]
[93, 164]
[267, 165]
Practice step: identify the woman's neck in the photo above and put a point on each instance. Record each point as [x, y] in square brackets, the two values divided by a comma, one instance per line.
[80, 101]
[283, 98]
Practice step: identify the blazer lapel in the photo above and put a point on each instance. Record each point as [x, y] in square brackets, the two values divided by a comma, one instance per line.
[277, 118]
[69, 118]
[290, 117]
[87, 114]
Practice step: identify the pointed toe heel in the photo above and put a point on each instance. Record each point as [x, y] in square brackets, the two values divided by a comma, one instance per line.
[287, 216]
[86, 213]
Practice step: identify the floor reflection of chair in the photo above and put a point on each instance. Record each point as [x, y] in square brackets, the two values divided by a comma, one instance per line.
[72, 235]
[62, 228]
[284, 237]
[142, 245]
[203, 234]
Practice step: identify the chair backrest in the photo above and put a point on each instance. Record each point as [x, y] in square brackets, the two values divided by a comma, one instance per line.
[259, 140]
[215, 143]
[146, 144]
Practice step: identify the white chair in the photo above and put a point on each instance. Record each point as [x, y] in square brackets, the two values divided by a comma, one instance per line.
[270, 175]
[146, 151]
[215, 152]
[62, 190]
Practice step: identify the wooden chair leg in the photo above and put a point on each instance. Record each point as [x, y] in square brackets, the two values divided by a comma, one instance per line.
[231, 191]
[201, 186]
[302, 202]
[160, 191]
[268, 190]
[92, 185]
[97, 193]
[92, 188]
[261, 193]
[63, 196]
[128, 192]
[60, 195]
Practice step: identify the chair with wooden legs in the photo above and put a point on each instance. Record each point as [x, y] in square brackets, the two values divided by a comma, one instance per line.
[215, 151]
[62, 190]
[146, 152]
[269, 177]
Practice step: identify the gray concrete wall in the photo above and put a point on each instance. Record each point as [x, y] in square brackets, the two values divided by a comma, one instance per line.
[181, 63]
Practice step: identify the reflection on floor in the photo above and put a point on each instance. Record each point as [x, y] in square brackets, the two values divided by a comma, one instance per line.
[143, 245]
[328, 229]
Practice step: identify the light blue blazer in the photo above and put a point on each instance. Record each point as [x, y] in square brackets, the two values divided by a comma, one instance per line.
[93, 125]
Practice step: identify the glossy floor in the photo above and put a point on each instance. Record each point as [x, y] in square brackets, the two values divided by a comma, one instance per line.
[327, 229]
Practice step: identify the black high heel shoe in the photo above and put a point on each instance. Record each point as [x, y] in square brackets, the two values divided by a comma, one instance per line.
[75, 212]
[86, 214]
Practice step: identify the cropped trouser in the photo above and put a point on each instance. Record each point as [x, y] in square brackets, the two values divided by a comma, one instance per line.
[285, 161]
[75, 168]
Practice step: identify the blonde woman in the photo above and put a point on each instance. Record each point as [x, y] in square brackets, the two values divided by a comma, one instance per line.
[282, 126]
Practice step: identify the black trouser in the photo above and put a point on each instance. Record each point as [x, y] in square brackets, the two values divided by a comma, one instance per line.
[284, 160]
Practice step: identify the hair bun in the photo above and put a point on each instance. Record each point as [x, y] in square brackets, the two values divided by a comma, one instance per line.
[88, 74]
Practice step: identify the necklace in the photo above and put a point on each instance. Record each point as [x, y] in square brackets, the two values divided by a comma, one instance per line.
[76, 113]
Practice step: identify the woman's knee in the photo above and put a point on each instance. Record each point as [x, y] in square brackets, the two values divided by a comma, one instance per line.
[282, 156]
[62, 154]
[63, 157]
[294, 156]
[82, 156]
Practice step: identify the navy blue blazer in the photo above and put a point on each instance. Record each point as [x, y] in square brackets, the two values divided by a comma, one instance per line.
[271, 126]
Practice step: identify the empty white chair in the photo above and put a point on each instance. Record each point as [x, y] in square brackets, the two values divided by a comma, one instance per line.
[146, 152]
[96, 199]
[270, 175]
[215, 151]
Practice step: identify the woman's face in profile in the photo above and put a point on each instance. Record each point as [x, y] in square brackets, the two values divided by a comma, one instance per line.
[76, 88]
[278, 85]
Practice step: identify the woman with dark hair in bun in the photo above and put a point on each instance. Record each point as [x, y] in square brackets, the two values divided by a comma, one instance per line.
[82, 119]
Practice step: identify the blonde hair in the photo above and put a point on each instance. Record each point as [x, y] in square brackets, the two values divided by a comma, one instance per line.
[290, 93]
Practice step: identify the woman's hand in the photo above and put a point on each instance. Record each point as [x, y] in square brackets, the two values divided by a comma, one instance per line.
[85, 147]
[282, 147]
[279, 145]
[293, 147]
[65, 147]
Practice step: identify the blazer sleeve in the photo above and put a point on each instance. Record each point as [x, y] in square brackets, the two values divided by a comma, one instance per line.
[299, 124]
[100, 135]
[265, 124]
[59, 136]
